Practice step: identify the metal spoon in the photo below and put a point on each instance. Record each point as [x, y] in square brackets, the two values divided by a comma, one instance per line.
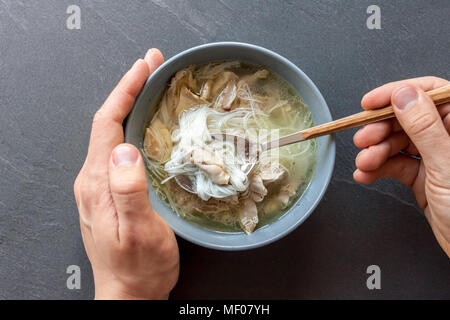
[251, 151]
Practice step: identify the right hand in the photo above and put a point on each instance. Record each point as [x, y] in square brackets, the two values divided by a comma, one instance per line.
[419, 129]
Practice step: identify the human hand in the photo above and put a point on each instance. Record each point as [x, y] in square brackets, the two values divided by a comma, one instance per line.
[418, 129]
[133, 252]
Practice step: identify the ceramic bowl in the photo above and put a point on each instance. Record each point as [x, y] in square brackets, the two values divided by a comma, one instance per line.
[144, 108]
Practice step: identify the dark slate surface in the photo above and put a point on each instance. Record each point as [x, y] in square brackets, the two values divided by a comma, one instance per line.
[53, 79]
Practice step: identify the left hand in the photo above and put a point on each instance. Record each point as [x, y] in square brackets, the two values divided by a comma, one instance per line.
[133, 252]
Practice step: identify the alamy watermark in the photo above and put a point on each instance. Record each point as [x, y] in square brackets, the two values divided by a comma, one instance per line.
[374, 20]
[74, 280]
[73, 21]
[374, 280]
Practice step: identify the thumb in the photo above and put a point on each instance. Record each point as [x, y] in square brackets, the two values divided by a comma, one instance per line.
[420, 119]
[129, 190]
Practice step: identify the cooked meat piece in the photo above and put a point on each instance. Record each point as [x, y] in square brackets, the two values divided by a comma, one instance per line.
[205, 91]
[221, 81]
[183, 78]
[251, 79]
[157, 141]
[256, 184]
[272, 173]
[286, 192]
[215, 173]
[281, 200]
[212, 166]
[227, 96]
[210, 206]
[248, 215]
[202, 156]
[190, 202]
[257, 197]
[187, 100]
[234, 199]
[257, 190]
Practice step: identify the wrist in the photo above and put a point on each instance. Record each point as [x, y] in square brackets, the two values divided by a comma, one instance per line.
[114, 290]
[108, 294]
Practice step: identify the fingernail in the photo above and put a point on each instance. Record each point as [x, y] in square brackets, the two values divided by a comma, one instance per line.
[124, 155]
[405, 97]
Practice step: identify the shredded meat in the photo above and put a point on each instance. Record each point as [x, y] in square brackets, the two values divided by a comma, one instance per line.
[212, 166]
[248, 215]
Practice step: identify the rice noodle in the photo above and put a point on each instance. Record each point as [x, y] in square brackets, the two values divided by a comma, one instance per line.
[194, 132]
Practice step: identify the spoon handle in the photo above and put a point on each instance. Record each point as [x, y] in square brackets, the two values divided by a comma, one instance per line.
[439, 96]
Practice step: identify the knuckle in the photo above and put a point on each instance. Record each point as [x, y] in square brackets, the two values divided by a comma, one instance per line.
[438, 183]
[130, 187]
[153, 238]
[422, 123]
[438, 172]
[162, 242]
[76, 185]
[99, 117]
[432, 78]
[90, 191]
[168, 250]
[436, 80]
[76, 188]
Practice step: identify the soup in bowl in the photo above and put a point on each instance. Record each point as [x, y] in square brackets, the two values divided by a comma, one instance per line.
[242, 90]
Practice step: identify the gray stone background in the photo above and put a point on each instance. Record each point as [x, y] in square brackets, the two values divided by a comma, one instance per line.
[52, 80]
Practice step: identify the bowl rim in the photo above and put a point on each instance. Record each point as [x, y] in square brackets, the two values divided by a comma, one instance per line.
[331, 153]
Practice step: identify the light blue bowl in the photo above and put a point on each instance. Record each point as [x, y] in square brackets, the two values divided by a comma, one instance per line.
[145, 108]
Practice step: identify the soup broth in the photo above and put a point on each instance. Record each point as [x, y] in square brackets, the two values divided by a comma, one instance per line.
[241, 99]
